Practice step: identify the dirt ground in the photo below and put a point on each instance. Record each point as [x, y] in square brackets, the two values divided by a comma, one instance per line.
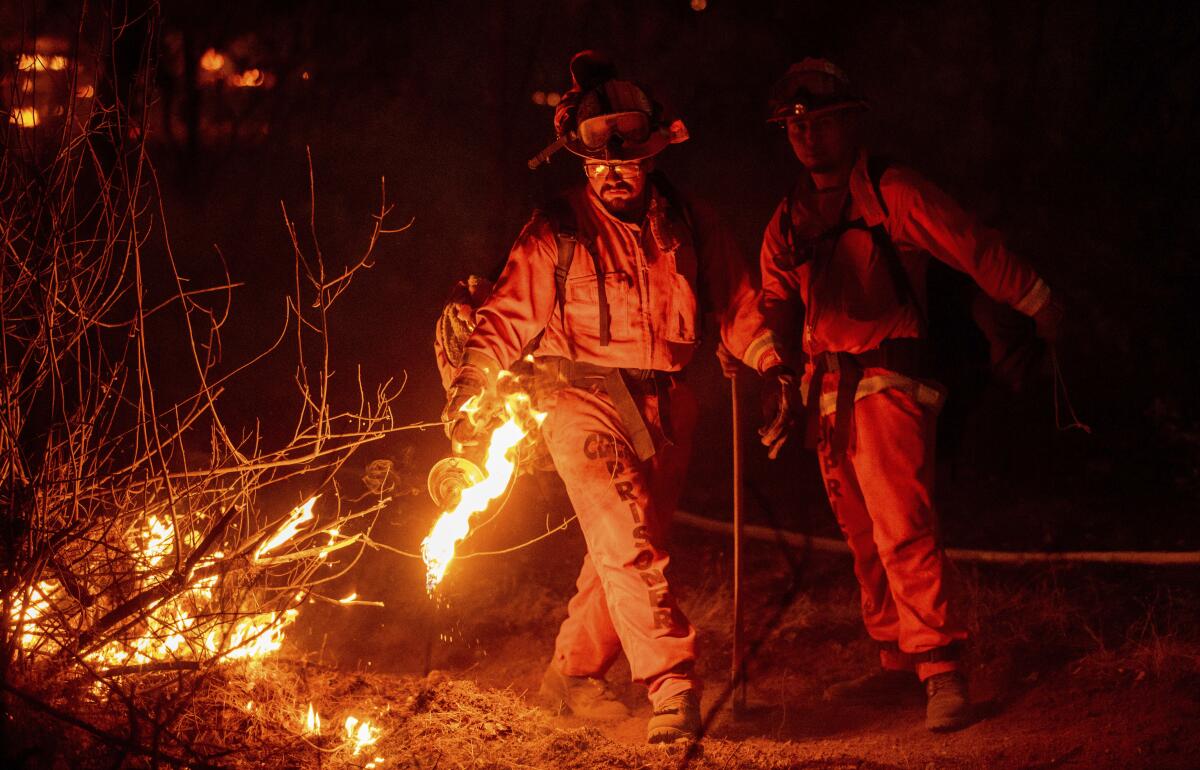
[1080, 667]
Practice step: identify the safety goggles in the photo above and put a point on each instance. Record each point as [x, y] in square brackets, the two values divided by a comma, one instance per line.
[624, 169]
[630, 127]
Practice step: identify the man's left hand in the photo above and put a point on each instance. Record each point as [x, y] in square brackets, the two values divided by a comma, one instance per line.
[782, 407]
[468, 384]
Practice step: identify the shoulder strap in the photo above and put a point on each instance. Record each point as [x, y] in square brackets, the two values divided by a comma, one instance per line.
[562, 221]
[876, 167]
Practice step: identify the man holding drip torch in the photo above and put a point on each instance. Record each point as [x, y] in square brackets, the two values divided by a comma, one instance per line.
[608, 283]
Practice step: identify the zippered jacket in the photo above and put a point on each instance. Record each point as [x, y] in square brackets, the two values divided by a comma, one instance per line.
[658, 278]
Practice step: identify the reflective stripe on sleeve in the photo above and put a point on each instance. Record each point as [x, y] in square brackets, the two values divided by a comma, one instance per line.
[759, 350]
[1037, 297]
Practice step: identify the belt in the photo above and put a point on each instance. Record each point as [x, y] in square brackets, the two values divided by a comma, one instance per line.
[904, 356]
[615, 381]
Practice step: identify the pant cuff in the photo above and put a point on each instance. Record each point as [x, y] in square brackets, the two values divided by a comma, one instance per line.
[671, 684]
[926, 670]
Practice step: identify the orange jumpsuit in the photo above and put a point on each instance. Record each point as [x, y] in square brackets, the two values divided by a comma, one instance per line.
[655, 275]
[880, 487]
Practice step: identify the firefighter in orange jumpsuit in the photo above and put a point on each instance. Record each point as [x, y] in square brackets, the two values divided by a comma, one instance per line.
[849, 247]
[614, 277]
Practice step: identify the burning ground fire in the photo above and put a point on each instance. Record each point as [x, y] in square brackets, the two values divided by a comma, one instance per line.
[453, 526]
[188, 626]
[184, 625]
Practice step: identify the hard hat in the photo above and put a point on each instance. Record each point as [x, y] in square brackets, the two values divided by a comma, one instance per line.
[812, 87]
[606, 118]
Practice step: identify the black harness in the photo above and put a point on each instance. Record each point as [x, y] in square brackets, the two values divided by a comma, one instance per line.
[904, 356]
[615, 381]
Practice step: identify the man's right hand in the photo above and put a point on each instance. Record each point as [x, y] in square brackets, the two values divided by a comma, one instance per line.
[782, 407]
[470, 383]
[728, 361]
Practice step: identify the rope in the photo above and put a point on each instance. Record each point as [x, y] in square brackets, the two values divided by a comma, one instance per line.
[829, 545]
[1060, 384]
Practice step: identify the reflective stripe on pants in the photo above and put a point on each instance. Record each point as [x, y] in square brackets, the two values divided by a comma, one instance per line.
[880, 490]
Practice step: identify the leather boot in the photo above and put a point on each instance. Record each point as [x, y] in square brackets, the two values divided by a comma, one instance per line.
[584, 696]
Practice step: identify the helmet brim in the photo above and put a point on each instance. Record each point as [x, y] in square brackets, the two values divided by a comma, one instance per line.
[653, 145]
[800, 111]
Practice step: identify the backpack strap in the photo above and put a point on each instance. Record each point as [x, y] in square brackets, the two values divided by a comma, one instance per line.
[877, 166]
[562, 221]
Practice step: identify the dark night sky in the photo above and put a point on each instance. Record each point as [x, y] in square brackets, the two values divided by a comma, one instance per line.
[1068, 125]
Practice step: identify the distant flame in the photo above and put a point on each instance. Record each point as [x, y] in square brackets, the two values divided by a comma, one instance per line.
[212, 61]
[33, 62]
[24, 117]
[453, 526]
[251, 78]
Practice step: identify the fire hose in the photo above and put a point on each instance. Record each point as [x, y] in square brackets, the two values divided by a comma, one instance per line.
[831, 545]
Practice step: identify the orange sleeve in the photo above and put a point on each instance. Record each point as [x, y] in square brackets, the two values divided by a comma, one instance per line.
[780, 301]
[521, 302]
[922, 215]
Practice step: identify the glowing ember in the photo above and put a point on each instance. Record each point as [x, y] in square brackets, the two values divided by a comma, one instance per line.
[453, 526]
[349, 598]
[362, 734]
[301, 515]
[312, 722]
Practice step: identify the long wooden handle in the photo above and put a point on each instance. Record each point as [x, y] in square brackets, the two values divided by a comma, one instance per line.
[737, 673]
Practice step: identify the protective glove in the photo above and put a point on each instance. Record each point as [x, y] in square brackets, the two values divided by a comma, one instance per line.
[729, 362]
[1049, 318]
[782, 408]
[470, 382]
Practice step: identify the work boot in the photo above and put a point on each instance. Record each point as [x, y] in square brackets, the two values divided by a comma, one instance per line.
[675, 719]
[584, 696]
[885, 685]
[948, 707]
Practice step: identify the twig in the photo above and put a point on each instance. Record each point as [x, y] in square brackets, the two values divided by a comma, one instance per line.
[102, 735]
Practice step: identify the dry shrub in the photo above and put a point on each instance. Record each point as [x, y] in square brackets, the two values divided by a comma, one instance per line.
[136, 555]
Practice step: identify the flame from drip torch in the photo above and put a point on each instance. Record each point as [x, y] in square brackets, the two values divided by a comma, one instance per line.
[453, 526]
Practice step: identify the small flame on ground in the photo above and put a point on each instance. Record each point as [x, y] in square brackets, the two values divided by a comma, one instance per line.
[349, 598]
[361, 733]
[312, 722]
